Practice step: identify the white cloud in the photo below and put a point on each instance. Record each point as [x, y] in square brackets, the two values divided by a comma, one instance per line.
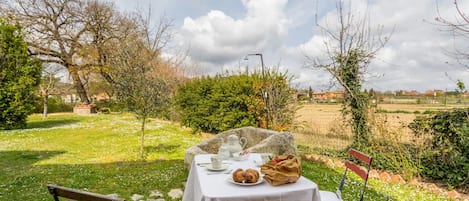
[218, 38]
[415, 56]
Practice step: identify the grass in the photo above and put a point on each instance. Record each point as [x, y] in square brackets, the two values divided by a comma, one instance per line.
[100, 153]
[328, 179]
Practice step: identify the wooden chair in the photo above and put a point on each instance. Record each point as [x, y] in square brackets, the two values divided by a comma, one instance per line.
[78, 195]
[337, 196]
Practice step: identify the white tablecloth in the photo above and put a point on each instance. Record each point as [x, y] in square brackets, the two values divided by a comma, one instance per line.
[201, 186]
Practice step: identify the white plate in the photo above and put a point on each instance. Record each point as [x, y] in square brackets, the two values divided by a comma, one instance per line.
[223, 167]
[258, 163]
[230, 179]
[241, 158]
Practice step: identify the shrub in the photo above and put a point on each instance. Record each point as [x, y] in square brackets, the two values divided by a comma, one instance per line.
[214, 104]
[219, 103]
[54, 104]
[447, 158]
[110, 105]
[19, 78]
[387, 149]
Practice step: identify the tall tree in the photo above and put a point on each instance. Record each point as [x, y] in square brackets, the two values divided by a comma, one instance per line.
[73, 33]
[349, 48]
[55, 30]
[106, 27]
[19, 78]
[140, 83]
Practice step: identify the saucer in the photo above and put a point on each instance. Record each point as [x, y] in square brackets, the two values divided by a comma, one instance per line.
[223, 167]
[241, 157]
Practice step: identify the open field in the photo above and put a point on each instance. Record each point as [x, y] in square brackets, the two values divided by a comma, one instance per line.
[99, 153]
[321, 125]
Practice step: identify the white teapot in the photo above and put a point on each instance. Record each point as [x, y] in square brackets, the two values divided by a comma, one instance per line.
[234, 144]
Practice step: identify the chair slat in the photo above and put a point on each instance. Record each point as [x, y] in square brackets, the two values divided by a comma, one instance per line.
[355, 168]
[79, 195]
[361, 156]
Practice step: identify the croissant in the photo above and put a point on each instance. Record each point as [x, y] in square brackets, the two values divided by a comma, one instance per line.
[251, 176]
[238, 175]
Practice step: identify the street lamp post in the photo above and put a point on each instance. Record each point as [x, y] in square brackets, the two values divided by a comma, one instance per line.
[264, 94]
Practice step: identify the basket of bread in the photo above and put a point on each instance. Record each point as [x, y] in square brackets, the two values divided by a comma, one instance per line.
[283, 169]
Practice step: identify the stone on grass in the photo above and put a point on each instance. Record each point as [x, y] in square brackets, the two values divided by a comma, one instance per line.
[338, 163]
[258, 141]
[175, 193]
[156, 193]
[137, 197]
[329, 162]
[311, 157]
[434, 188]
[397, 179]
[114, 195]
[374, 174]
[454, 195]
[414, 182]
[384, 176]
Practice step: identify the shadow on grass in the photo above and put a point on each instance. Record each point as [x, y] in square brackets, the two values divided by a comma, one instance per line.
[20, 179]
[161, 148]
[24, 158]
[328, 179]
[49, 123]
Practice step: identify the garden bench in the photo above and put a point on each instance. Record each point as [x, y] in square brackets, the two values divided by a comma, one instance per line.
[78, 195]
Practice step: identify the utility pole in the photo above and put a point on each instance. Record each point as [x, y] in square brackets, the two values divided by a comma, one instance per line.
[265, 95]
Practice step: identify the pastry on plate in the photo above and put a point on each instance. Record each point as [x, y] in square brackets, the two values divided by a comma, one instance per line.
[251, 176]
[238, 175]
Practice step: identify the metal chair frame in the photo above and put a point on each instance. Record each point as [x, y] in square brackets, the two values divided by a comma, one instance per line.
[357, 169]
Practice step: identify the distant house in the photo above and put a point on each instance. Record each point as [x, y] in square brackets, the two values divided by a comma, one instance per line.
[466, 94]
[407, 93]
[328, 96]
[101, 96]
[434, 92]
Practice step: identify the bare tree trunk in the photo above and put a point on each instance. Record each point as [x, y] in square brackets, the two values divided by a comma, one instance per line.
[46, 104]
[79, 87]
[142, 139]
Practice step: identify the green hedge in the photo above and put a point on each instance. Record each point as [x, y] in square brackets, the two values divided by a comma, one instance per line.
[214, 104]
[54, 104]
[447, 157]
[219, 103]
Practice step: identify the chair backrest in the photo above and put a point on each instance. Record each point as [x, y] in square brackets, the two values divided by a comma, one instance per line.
[74, 194]
[349, 165]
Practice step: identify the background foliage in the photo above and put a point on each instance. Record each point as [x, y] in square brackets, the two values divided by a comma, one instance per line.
[222, 102]
[19, 78]
[449, 146]
[55, 104]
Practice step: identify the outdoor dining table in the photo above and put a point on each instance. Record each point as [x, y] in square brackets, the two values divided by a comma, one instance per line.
[205, 185]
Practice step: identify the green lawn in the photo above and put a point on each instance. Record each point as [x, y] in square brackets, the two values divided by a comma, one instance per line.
[100, 153]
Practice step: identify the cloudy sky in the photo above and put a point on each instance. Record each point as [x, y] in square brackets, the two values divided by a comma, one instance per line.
[218, 34]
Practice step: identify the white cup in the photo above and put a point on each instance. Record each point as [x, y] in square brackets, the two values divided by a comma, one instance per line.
[216, 161]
